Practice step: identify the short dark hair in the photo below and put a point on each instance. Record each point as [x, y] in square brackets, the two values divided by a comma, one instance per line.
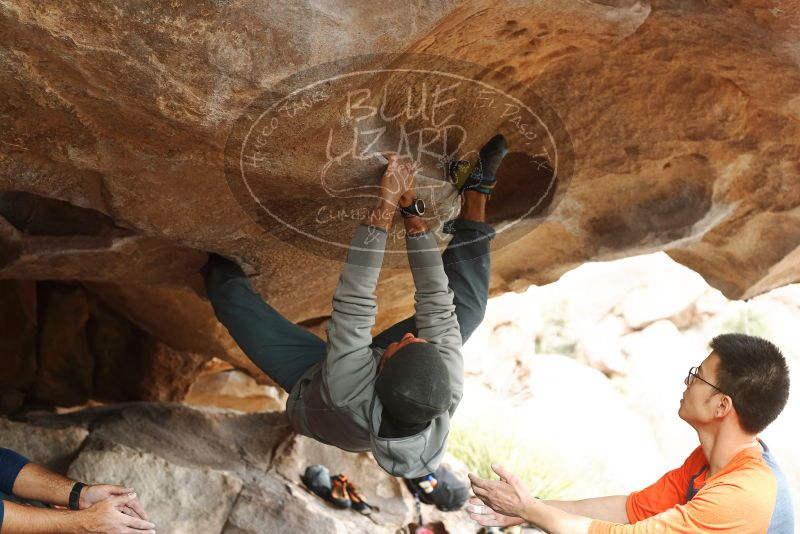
[754, 373]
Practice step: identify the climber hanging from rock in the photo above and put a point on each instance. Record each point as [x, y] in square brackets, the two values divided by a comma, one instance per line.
[393, 394]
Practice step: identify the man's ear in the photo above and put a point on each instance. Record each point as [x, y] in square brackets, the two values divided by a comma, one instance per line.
[725, 406]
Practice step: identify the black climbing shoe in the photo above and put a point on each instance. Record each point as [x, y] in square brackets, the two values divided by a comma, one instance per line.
[442, 489]
[483, 176]
[317, 478]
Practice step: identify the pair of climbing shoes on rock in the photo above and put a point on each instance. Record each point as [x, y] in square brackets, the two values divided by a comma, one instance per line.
[336, 489]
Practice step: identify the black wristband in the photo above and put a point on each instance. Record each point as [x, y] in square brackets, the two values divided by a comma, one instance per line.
[415, 209]
[75, 496]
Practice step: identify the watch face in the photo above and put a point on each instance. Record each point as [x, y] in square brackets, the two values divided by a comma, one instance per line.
[419, 204]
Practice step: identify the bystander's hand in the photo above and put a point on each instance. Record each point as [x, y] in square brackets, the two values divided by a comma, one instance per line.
[94, 494]
[107, 517]
[506, 496]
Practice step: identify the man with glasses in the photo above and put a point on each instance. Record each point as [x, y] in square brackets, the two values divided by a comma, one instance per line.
[730, 483]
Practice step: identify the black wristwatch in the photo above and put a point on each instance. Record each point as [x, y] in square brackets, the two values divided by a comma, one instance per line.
[415, 209]
[75, 496]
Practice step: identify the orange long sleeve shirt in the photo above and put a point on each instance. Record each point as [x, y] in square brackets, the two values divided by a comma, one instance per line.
[749, 495]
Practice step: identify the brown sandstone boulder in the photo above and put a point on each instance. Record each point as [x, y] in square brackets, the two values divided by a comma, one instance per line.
[18, 341]
[678, 122]
[212, 471]
[132, 365]
[178, 499]
[54, 446]
[65, 362]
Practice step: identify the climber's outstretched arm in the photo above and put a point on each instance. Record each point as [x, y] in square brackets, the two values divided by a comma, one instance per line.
[435, 318]
[349, 364]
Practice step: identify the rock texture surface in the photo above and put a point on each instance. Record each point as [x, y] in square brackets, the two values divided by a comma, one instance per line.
[54, 446]
[212, 470]
[684, 118]
[163, 486]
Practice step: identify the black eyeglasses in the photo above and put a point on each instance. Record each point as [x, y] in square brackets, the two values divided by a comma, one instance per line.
[693, 374]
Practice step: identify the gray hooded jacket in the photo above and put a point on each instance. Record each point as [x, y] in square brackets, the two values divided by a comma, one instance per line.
[335, 401]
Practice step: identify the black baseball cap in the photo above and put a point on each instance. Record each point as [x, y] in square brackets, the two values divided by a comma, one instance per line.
[414, 384]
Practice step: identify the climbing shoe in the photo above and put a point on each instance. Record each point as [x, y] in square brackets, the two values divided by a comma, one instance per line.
[481, 177]
[357, 501]
[340, 496]
[317, 478]
[441, 488]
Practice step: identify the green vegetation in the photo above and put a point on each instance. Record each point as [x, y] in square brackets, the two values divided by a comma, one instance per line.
[556, 337]
[546, 476]
[746, 321]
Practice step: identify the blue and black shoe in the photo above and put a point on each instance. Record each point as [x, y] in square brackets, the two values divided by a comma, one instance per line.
[442, 488]
[481, 177]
